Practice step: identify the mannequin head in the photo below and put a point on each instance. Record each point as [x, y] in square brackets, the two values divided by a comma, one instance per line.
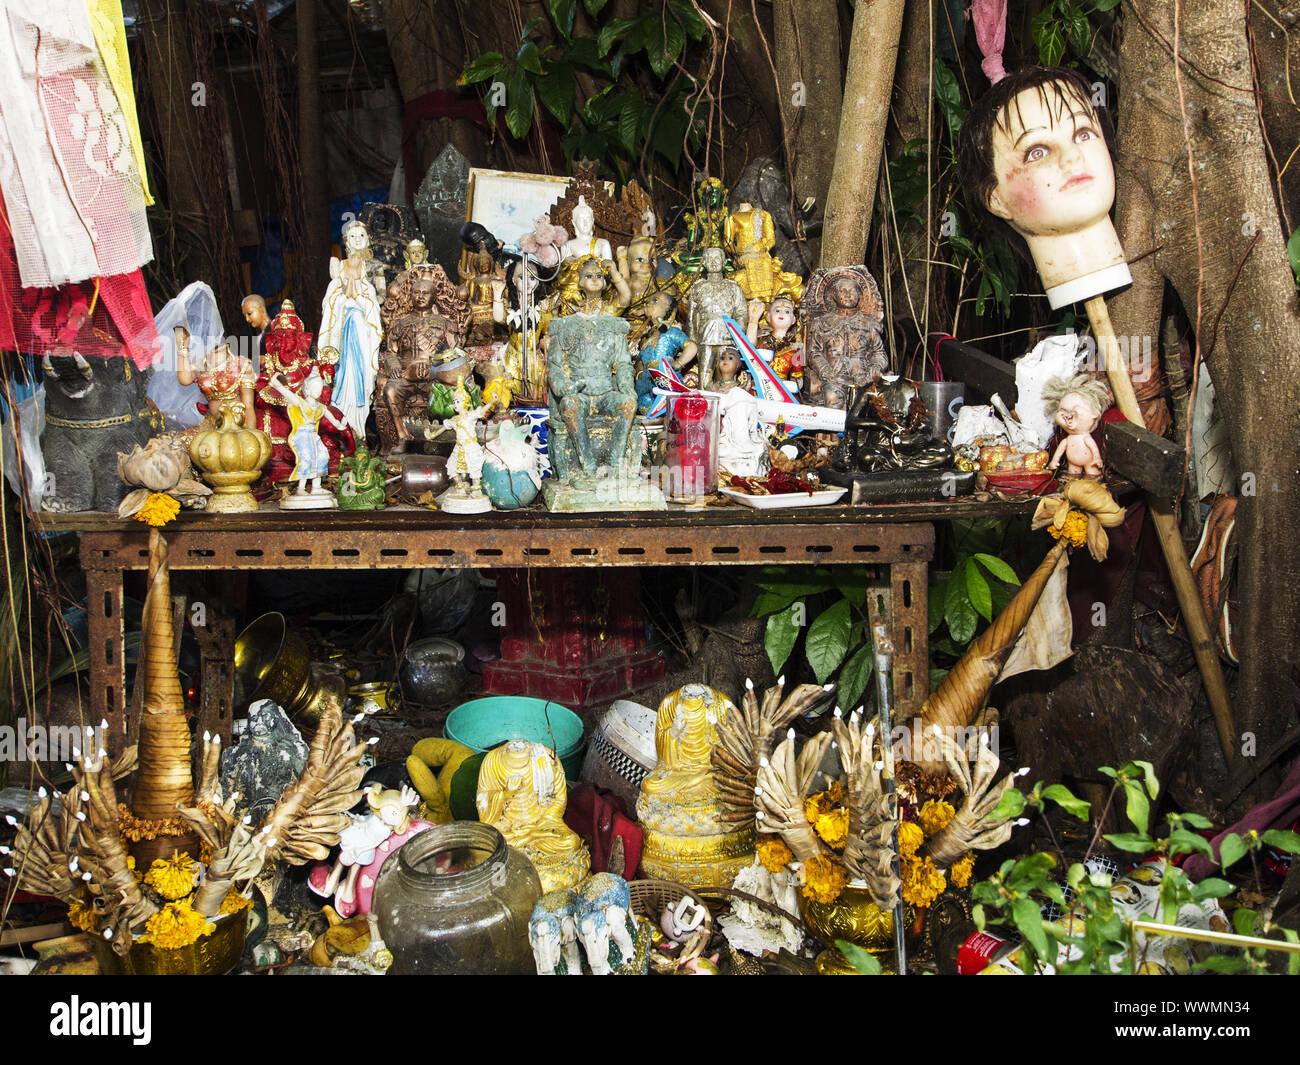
[254, 308]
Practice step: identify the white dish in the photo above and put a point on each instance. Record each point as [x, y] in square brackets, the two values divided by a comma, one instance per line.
[785, 500]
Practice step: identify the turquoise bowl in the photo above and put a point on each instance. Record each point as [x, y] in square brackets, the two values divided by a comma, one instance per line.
[484, 723]
[506, 490]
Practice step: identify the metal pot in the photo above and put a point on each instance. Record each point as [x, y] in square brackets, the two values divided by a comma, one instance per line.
[432, 672]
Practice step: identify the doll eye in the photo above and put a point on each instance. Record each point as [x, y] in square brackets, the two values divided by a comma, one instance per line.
[1038, 151]
[1082, 135]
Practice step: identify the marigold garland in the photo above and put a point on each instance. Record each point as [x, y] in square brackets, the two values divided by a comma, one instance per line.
[135, 829]
[922, 881]
[1074, 531]
[824, 879]
[82, 916]
[934, 816]
[910, 838]
[175, 925]
[773, 853]
[173, 878]
[158, 509]
[234, 902]
[833, 827]
[960, 873]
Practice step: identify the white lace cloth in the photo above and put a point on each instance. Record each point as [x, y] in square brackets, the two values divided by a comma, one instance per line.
[68, 171]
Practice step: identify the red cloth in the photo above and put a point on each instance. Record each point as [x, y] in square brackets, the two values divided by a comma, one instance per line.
[600, 817]
[34, 320]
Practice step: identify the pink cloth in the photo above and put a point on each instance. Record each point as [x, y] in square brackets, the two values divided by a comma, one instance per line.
[1280, 810]
[990, 19]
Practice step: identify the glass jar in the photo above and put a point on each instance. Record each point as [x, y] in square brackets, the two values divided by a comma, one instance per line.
[457, 901]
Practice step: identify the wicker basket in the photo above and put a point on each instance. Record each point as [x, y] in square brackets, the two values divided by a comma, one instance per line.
[649, 897]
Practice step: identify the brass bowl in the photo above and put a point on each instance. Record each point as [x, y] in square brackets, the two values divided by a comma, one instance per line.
[855, 918]
[272, 663]
[212, 955]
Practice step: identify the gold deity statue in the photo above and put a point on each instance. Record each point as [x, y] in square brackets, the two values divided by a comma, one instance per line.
[522, 794]
[679, 809]
[750, 238]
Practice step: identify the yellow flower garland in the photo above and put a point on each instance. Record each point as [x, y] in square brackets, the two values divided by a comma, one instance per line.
[158, 509]
[773, 853]
[934, 816]
[175, 925]
[824, 879]
[173, 878]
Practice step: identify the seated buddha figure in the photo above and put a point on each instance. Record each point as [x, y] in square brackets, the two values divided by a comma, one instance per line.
[522, 794]
[679, 808]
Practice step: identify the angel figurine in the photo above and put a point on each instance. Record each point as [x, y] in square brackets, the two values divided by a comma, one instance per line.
[306, 412]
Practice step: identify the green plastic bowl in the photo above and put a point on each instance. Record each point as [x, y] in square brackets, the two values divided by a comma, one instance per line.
[484, 723]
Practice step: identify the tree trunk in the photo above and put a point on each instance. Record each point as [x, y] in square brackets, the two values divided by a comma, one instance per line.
[873, 50]
[428, 52]
[311, 152]
[1249, 322]
[806, 43]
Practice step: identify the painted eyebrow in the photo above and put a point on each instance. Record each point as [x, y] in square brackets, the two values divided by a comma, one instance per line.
[1076, 115]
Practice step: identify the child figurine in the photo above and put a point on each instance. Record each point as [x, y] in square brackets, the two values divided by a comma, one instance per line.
[305, 414]
[1079, 402]
[729, 373]
[466, 462]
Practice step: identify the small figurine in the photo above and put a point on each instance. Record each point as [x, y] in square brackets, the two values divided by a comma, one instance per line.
[545, 243]
[361, 480]
[306, 411]
[742, 443]
[584, 287]
[729, 373]
[844, 316]
[553, 934]
[705, 226]
[750, 237]
[517, 304]
[466, 462]
[1079, 403]
[605, 922]
[522, 793]
[512, 474]
[636, 262]
[254, 310]
[712, 299]
[481, 284]
[451, 371]
[781, 337]
[224, 378]
[584, 241]
[364, 846]
[664, 346]
[351, 328]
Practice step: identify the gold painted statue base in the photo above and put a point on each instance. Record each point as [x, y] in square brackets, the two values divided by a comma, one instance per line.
[690, 845]
[560, 871]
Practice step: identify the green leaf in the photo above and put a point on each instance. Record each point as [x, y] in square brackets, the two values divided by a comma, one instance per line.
[997, 567]
[947, 94]
[977, 587]
[1243, 921]
[1225, 964]
[1063, 797]
[1282, 840]
[934, 604]
[1138, 805]
[594, 7]
[629, 121]
[669, 133]
[562, 14]
[1196, 820]
[1049, 37]
[780, 637]
[1012, 804]
[1293, 253]
[1231, 850]
[1080, 31]
[977, 915]
[519, 104]
[828, 640]
[853, 588]
[1029, 919]
[529, 58]
[695, 25]
[770, 602]
[854, 677]
[609, 34]
[1106, 5]
[797, 587]
[1211, 888]
[1133, 842]
[866, 964]
[486, 66]
[555, 90]
[1183, 841]
[958, 611]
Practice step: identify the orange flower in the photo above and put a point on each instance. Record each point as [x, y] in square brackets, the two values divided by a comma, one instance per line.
[934, 816]
[910, 838]
[158, 509]
[922, 881]
[961, 870]
[824, 879]
[773, 853]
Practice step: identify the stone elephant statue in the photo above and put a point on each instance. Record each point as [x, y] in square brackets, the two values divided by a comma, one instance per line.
[762, 185]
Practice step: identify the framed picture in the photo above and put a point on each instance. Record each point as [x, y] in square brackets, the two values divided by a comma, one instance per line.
[507, 203]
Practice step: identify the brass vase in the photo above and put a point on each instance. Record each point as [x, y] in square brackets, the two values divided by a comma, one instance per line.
[212, 955]
[853, 917]
[231, 458]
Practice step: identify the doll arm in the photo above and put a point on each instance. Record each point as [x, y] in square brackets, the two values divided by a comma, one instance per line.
[1056, 455]
[755, 314]
[620, 286]
[689, 350]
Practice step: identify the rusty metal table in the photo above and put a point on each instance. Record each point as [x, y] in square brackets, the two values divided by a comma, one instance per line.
[895, 542]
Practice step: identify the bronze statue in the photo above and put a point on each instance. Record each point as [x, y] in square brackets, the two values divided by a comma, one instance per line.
[844, 313]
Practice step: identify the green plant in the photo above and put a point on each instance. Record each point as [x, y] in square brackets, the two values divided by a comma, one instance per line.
[642, 102]
[1107, 942]
[1064, 24]
[835, 642]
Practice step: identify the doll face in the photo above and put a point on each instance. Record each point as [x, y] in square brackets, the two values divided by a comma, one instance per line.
[659, 307]
[591, 279]
[728, 364]
[417, 253]
[1076, 414]
[356, 238]
[638, 258]
[1053, 167]
[781, 314]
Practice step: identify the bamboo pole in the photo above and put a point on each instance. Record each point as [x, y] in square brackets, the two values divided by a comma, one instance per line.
[1171, 543]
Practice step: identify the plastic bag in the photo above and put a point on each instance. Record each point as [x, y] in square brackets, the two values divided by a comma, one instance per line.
[196, 309]
[27, 428]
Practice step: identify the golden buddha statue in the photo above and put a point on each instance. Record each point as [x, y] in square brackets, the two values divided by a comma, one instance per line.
[522, 794]
[750, 239]
[679, 809]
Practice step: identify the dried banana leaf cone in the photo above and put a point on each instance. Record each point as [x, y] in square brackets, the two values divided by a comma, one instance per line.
[962, 693]
[164, 777]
